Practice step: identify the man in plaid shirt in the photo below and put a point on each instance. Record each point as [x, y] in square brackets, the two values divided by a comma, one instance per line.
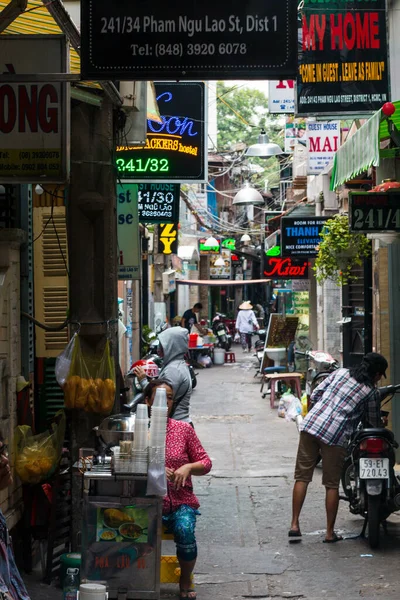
[340, 402]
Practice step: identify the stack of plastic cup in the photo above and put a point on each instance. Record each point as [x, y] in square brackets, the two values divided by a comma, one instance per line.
[141, 440]
[158, 425]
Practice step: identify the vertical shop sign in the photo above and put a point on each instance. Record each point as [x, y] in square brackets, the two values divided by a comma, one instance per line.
[34, 117]
[343, 57]
[128, 234]
[323, 140]
[281, 96]
[168, 238]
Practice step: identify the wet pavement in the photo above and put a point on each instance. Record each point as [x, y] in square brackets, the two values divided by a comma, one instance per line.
[245, 506]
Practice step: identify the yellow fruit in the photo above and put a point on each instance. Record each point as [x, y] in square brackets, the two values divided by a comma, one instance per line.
[81, 402]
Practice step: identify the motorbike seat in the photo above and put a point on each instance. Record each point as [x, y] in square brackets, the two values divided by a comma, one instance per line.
[375, 432]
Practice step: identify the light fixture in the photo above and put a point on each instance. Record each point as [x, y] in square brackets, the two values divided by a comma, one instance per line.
[211, 242]
[245, 238]
[219, 262]
[248, 195]
[38, 189]
[264, 148]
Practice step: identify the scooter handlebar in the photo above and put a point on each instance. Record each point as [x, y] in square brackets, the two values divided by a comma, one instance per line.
[387, 390]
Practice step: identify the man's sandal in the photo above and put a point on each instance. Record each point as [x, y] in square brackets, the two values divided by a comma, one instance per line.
[294, 535]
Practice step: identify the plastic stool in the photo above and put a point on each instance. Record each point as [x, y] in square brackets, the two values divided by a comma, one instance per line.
[230, 357]
[292, 378]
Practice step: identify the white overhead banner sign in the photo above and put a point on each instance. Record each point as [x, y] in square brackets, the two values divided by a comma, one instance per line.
[323, 140]
[34, 129]
[281, 97]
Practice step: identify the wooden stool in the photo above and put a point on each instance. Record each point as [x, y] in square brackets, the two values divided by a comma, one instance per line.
[230, 357]
[293, 379]
[270, 371]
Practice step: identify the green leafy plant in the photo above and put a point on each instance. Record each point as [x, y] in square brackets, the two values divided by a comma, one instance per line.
[340, 251]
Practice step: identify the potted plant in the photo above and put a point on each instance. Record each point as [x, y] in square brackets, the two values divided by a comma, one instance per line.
[340, 251]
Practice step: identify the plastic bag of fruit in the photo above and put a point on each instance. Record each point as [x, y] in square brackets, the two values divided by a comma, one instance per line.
[37, 456]
[90, 384]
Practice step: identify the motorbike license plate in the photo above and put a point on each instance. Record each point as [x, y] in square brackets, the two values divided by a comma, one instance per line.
[374, 468]
[221, 333]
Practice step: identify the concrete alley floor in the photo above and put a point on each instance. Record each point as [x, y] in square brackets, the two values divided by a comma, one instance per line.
[246, 504]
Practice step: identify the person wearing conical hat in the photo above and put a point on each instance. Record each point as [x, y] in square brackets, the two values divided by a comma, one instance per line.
[246, 322]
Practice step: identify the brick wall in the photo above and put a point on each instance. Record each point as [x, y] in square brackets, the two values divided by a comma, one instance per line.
[10, 357]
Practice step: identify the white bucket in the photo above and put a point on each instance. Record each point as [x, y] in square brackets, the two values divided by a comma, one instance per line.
[92, 591]
[219, 356]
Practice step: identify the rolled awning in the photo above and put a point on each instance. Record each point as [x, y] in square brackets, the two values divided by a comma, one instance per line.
[358, 153]
[363, 149]
[220, 282]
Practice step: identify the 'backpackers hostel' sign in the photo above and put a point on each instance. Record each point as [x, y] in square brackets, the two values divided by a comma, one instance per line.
[300, 237]
[33, 116]
[175, 149]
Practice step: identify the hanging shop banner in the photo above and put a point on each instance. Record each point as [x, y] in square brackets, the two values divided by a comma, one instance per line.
[277, 267]
[371, 211]
[129, 254]
[295, 132]
[34, 116]
[300, 236]
[223, 272]
[204, 249]
[323, 139]
[175, 149]
[188, 39]
[281, 96]
[168, 238]
[343, 57]
[156, 202]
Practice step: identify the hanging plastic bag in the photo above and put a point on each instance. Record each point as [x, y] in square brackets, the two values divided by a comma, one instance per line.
[236, 339]
[90, 385]
[63, 362]
[156, 475]
[37, 456]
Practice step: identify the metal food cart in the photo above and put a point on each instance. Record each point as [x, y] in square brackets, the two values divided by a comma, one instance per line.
[121, 534]
[121, 528]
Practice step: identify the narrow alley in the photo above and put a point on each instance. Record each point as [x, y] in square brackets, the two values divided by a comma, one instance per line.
[245, 506]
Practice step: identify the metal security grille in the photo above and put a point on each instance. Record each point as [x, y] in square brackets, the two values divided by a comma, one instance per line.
[357, 304]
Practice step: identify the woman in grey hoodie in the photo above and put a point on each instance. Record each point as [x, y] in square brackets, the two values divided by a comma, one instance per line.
[173, 347]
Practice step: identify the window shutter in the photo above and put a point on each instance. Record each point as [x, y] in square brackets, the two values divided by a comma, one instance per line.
[51, 279]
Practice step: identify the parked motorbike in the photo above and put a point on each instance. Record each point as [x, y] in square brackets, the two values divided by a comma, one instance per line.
[151, 363]
[319, 366]
[224, 339]
[368, 478]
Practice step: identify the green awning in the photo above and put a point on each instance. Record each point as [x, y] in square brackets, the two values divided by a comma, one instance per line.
[362, 150]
